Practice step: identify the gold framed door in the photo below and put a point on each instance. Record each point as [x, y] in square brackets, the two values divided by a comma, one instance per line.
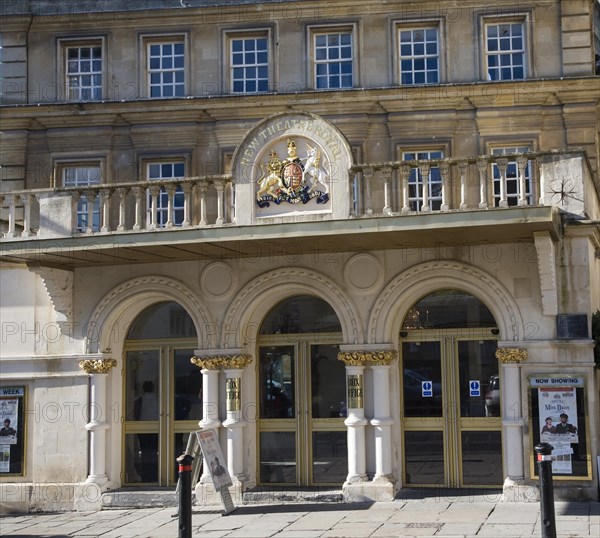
[163, 404]
[451, 430]
[301, 431]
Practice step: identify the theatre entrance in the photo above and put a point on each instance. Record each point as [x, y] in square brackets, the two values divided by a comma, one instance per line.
[301, 392]
[451, 423]
[163, 400]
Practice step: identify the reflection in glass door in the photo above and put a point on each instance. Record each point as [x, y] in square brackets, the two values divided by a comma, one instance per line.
[450, 436]
[163, 403]
[302, 436]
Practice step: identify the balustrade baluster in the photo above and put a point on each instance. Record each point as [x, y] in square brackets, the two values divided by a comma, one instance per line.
[482, 166]
[502, 164]
[26, 201]
[368, 176]
[10, 200]
[386, 172]
[522, 166]
[404, 175]
[187, 191]
[138, 193]
[154, 193]
[202, 188]
[445, 173]
[463, 166]
[105, 202]
[424, 171]
[220, 187]
[170, 189]
[90, 198]
[122, 192]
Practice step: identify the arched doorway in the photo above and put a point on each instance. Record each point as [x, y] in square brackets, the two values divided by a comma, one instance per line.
[451, 423]
[301, 391]
[163, 400]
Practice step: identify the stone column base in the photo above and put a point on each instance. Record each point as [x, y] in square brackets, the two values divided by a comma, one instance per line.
[519, 491]
[207, 496]
[380, 490]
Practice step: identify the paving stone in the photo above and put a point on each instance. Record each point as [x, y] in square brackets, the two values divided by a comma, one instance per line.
[322, 521]
[355, 530]
[458, 529]
[506, 529]
[404, 529]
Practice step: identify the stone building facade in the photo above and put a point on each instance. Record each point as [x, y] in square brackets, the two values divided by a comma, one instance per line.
[359, 239]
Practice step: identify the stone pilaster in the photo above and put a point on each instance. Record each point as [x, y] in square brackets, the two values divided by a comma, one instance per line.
[97, 369]
[512, 422]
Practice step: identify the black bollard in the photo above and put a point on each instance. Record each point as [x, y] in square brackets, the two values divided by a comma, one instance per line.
[544, 458]
[185, 495]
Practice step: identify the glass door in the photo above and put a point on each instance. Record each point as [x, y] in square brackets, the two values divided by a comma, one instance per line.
[302, 436]
[451, 428]
[163, 404]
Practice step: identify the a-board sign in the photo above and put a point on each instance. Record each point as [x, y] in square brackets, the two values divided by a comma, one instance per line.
[211, 449]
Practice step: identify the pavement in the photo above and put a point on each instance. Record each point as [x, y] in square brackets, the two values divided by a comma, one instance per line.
[433, 515]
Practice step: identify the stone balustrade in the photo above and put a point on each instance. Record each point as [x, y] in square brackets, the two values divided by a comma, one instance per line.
[557, 178]
[120, 207]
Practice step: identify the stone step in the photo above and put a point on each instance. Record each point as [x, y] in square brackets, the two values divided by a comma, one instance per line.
[140, 498]
[124, 498]
[264, 495]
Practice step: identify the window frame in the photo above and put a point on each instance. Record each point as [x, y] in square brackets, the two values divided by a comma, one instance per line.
[229, 36]
[530, 180]
[146, 41]
[315, 30]
[418, 200]
[63, 46]
[81, 211]
[524, 19]
[162, 206]
[414, 25]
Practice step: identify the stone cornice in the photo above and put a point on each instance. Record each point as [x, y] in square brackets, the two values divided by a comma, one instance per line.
[97, 366]
[511, 355]
[228, 362]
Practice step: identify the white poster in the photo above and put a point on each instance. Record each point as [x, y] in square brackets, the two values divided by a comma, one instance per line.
[9, 421]
[211, 449]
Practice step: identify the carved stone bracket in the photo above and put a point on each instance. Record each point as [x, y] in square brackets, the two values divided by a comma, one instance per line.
[97, 366]
[59, 285]
[215, 362]
[511, 355]
[376, 358]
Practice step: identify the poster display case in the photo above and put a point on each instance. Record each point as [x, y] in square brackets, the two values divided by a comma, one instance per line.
[558, 417]
[12, 431]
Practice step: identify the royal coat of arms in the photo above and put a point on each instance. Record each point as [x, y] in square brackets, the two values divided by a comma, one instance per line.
[293, 179]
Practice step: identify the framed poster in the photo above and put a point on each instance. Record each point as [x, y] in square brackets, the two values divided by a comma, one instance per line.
[558, 417]
[12, 431]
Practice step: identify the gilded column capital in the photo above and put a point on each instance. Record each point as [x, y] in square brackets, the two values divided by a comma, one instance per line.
[359, 358]
[353, 358]
[229, 362]
[207, 363]
[383, 358]
[97, 366]
[236, 362]
[511, 355]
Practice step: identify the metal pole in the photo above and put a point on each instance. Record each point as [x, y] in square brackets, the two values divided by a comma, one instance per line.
[185, 495]
[544, 459]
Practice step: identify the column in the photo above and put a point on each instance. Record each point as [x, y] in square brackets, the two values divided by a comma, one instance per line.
[234, 423]
[210, 368]
[382, 421]
[97, 425]
[512, 418]
[355, 421]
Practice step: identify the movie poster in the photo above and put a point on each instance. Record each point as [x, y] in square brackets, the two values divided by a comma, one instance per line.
[558, 420]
